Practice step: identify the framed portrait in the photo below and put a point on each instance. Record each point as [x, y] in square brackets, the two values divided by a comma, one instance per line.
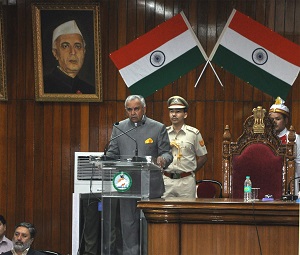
[3, 84]
[67, 52]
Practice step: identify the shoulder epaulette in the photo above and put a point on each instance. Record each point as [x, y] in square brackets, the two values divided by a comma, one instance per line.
[192, 129]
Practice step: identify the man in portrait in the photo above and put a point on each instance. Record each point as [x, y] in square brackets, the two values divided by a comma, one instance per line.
[68, 48]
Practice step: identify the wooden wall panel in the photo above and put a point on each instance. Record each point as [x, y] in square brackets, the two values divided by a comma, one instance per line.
[94, 113]
[218, 136]
[38, 140]
[3, 153]
[56, 187]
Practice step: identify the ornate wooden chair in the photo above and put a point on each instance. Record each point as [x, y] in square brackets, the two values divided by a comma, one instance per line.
[258, 152]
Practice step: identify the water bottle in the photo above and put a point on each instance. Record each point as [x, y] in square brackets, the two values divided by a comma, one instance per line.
[247, 189]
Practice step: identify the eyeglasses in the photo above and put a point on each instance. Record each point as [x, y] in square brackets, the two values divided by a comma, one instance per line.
[135, 109]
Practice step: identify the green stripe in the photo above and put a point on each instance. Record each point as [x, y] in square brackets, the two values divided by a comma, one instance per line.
[168, 73]
[250, 73]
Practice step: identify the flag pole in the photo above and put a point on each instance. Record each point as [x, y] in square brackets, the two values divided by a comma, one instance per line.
[216, 74]
[217, 45]
[201, 74]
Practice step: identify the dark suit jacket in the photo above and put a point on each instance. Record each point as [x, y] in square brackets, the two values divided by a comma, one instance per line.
[30, 252]
[58, 82]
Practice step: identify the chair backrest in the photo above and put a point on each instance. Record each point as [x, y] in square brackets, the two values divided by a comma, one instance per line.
[208, 189]
[259, 153]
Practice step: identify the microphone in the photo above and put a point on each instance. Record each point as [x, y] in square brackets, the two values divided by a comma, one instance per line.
[289, 196]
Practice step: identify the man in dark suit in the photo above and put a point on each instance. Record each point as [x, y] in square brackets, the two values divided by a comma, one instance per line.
[23, 237]
[151, 138]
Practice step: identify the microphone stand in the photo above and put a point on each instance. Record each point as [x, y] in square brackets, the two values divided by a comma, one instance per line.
[104, 157]
[136, 158]
[125, 133]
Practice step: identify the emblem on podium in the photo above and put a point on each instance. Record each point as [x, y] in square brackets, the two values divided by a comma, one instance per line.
[122, 181]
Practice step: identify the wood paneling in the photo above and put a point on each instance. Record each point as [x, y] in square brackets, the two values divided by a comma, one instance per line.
[38, 140]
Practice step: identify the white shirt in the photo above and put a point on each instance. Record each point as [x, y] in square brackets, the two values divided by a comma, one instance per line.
[5, 245]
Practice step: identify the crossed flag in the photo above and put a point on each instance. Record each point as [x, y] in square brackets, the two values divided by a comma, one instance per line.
[245, 48]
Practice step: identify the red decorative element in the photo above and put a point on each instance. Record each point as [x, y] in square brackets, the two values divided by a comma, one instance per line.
[283, 139]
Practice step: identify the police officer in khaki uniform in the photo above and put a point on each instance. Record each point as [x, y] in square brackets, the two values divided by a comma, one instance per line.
[188, 149]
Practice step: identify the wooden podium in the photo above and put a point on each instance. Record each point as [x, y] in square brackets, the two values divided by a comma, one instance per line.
[221, 226]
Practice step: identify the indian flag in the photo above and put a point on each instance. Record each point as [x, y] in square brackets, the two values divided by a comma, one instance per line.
[160, 56]
[257, 55]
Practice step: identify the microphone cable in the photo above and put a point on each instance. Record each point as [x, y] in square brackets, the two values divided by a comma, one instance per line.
[257, 234]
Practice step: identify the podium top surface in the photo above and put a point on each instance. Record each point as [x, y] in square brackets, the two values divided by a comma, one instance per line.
[132, 163]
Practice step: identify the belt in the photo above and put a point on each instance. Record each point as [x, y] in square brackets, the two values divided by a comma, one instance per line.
[177, 175]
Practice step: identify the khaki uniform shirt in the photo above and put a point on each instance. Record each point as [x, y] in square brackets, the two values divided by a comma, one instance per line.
[186, 145]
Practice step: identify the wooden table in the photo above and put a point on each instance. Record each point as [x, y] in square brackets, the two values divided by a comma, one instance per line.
[221, 226]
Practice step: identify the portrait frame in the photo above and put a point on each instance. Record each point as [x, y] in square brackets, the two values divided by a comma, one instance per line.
[45, 18]
[3, 78]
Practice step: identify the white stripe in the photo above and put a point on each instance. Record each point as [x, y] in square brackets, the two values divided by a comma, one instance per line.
[172, 50]
[275, 65]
